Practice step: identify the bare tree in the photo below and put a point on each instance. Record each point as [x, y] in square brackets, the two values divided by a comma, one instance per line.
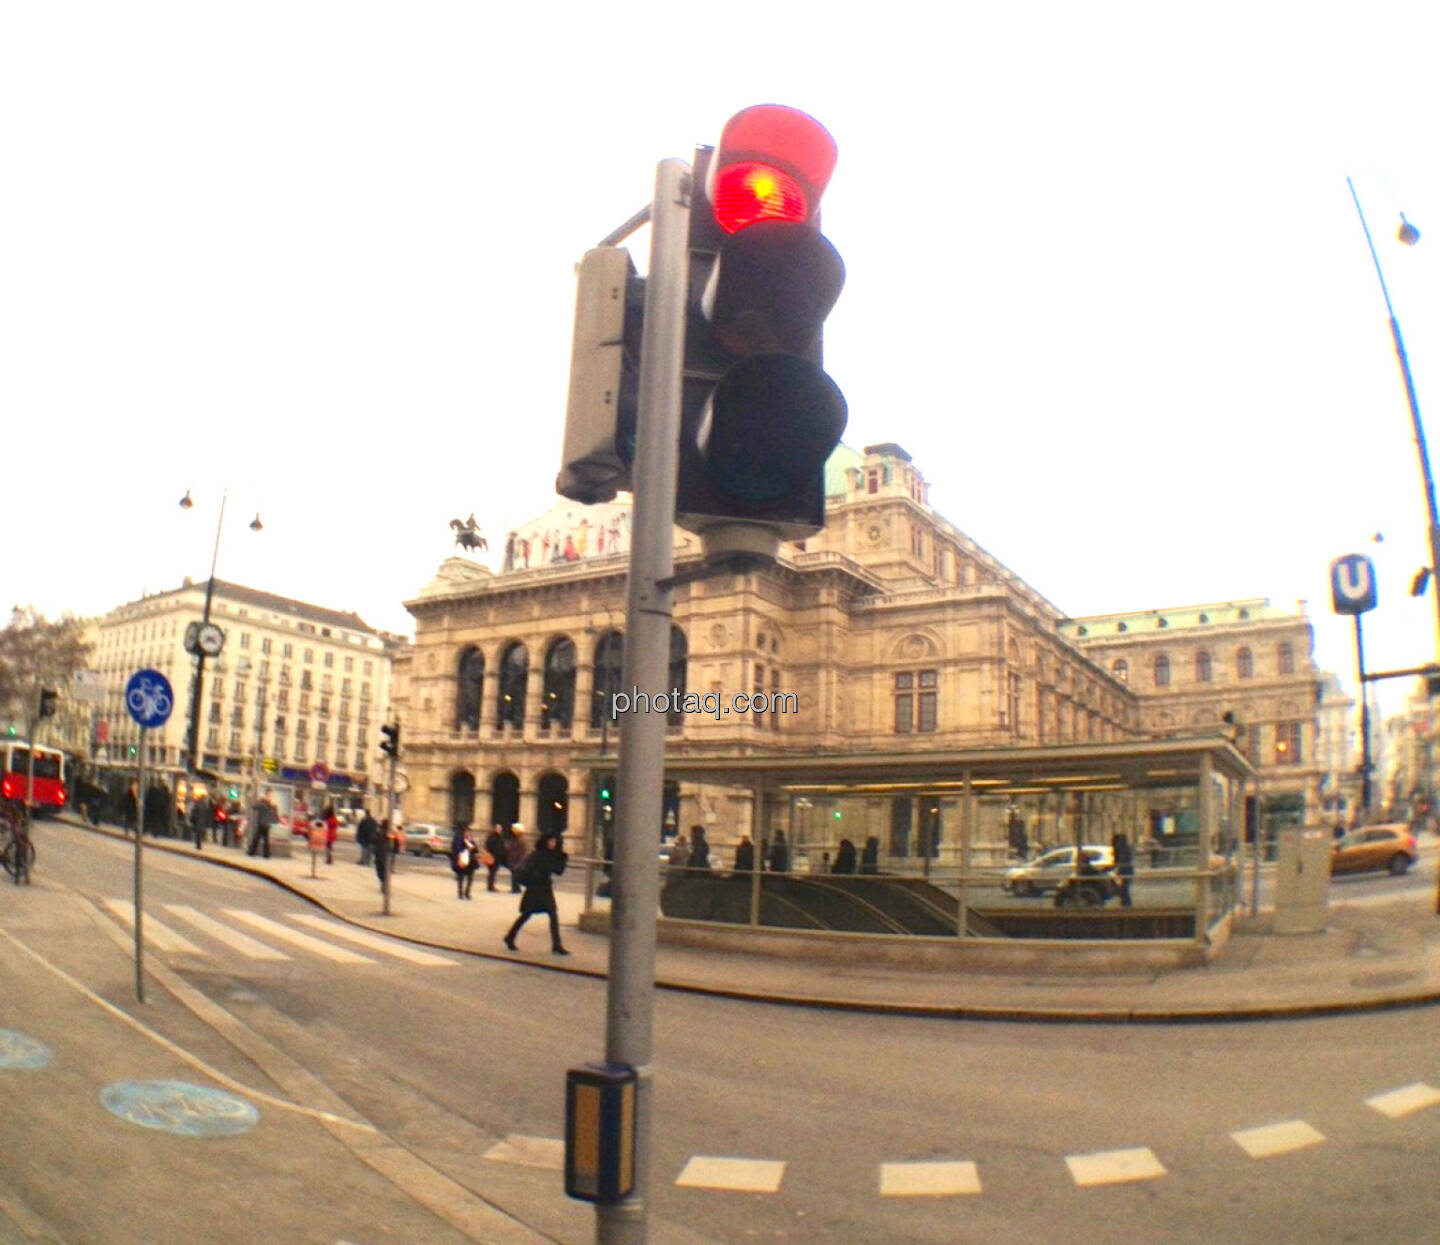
[36, 653]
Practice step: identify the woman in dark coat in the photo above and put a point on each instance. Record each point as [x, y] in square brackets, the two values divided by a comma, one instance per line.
[845, 857]
[535, 873]
[464, 860]
[870, 856]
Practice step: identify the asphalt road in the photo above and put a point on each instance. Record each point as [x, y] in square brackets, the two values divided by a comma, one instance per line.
[845, 1111]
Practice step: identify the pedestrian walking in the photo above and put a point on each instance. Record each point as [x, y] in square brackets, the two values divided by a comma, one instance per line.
[332, 832]
[201, 814]
[265, 817]
[1124, 866]
[870, 856]
[699, 848]
[494, 854]
[779, 860]
[536, 872]
[464, 860]
[745, 855]
[515, 853]
[365, 834]
[845, 857]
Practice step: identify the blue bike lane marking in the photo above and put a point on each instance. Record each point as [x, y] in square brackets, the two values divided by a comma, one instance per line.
[179, 1107]
[19, 1050]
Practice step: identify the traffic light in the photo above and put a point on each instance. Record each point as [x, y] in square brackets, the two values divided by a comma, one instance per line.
[604, 378]
[49, 702]
[390, 739]
[760, 416]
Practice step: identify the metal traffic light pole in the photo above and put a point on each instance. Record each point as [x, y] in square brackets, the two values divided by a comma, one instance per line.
[635, 887]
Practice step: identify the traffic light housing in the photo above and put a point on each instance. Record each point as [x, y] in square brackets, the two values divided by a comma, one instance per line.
[759, 415]
[604, 389]
[49, 702]
[390, 739]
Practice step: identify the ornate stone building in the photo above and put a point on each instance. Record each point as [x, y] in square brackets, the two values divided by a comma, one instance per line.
[1241, 666]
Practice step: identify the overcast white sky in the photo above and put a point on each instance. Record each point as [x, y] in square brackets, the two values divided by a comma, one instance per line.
[1106, 283]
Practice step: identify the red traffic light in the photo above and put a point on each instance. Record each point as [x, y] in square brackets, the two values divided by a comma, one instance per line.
[773, 163]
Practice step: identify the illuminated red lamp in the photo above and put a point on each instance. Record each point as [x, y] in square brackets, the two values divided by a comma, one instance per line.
[772, 163]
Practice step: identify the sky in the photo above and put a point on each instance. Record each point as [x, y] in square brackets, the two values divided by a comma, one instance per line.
[1105, 280]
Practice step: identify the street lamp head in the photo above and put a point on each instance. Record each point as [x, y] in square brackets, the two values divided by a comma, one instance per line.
[1407, 233]
[185, 502]
[255, 524]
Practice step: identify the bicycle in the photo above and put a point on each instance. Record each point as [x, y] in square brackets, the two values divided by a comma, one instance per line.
[17, 850]
[148, 699]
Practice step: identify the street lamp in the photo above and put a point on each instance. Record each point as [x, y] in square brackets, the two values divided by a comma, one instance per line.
[1409, 235]
[197, 689]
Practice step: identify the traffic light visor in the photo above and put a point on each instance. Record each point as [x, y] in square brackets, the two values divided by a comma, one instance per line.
[773, 163]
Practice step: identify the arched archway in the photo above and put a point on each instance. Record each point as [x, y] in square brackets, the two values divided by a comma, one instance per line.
[505, 798]
[554, 803]
[679, 655]
[462, 798]
[609, 654]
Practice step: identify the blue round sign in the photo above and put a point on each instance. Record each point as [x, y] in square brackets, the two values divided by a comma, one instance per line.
[148, 698]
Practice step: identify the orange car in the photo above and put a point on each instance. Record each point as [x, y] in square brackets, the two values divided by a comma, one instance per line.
[1389, 847]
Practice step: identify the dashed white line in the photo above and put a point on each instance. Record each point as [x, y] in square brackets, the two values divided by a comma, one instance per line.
[1403, 1101]
[1272, 1139]
[1114, 1166]
[731, 1174]
[929, 1179]
[546, 1153]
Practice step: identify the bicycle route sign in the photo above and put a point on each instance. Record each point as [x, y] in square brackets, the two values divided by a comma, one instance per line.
[148, 698]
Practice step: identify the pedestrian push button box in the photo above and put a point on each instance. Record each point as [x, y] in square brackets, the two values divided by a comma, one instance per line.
[600, 1132]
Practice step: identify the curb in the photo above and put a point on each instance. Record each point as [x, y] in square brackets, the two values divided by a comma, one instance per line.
[1198, 1014]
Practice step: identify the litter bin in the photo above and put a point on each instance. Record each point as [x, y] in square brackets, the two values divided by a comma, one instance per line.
[1302, 880]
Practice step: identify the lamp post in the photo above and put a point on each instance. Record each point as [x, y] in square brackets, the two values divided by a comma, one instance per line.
[198, 687]
[1409, 235]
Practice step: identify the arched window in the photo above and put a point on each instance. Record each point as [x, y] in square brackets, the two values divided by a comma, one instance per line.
[470, 671]
[1285, 659]
[510, 701]
[1120, 668]
[554, 802]
[505, 799]
[462, 798]
[609, 653]
[1245, 664]
[1204, 670]
[1162, 671]
[679, 653]
[557, 707]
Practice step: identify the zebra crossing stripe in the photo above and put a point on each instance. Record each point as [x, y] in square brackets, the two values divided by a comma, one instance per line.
[1114, 1166]
[295, 938]
[1403, 1101]
[733, 1175]
[376, 942]
[546, 1153]
[1271, 1139]
[156, 933]
[929, 1179]
[233, 938]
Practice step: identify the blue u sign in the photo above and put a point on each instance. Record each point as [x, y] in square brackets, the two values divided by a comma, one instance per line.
[1352, 584]
[148, 698]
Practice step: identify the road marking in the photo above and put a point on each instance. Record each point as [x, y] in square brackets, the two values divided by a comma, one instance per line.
[1398, 1102]
[1114, 1166]
[929, 1179]
[547, 1153]
[242, 943]
[733, 1175]
[293, 936]
[376, 942]
[156, 933]
[1271, 1139]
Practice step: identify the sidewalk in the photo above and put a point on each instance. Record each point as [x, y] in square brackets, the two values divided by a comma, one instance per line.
[1374, 953]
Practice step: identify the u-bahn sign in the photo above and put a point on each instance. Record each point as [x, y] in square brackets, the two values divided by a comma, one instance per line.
[1352, 584]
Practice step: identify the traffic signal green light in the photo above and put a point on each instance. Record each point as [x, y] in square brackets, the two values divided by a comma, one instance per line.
[234, 793]
[11, 731]
[132, 750]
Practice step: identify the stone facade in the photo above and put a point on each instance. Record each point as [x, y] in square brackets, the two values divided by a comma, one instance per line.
[891, 630]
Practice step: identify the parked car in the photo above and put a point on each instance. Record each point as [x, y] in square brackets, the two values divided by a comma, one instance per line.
[423, 839]
[1389, 847]
[1045, 873]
